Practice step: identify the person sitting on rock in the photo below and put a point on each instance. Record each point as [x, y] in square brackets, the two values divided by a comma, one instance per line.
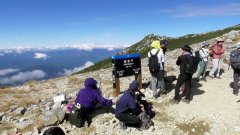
[89, 97]
[127, 108]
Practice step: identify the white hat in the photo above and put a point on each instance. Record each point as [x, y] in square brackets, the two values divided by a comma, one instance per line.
[219, 39]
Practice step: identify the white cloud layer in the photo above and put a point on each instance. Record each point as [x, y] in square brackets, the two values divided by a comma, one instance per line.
[23, 77]
[76, 69]
[40, 56]
[7, 71]
[1, 54]
[90, 47]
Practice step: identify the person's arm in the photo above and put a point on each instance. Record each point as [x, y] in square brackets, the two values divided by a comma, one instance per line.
[103, 101]
[161, 56]
[179, 61]
[133, 106]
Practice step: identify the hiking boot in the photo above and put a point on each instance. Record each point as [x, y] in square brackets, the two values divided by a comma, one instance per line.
[174, 101]
[235, 93]
[164, 92]
[211, 76]
[186, 100]
[122, 125]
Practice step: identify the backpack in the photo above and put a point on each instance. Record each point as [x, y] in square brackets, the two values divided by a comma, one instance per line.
[153, 63]
[146, 121]
[75, 117]
[191, 64]
[235, 59]
[198, 56]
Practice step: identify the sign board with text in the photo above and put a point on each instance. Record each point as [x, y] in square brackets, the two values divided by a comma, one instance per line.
[125, 65]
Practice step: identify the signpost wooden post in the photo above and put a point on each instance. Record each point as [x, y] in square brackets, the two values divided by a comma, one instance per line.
[125, 65]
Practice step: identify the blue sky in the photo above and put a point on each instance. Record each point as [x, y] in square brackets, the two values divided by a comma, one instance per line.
[41, 23]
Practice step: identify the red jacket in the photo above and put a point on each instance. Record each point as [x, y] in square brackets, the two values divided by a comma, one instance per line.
[217, 51]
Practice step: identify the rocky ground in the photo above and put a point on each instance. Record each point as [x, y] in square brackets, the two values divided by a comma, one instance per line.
[213, 109]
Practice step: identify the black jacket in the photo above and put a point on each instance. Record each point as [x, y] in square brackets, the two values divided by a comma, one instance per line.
[182, 62]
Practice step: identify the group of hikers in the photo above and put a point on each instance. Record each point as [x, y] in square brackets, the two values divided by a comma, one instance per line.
[130, 107]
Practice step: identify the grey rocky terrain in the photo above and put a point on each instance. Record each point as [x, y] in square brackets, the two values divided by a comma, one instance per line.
[213, 109]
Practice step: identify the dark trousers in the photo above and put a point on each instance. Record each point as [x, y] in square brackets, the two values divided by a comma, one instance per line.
[129, 120]
[236, 76]
[183, 78]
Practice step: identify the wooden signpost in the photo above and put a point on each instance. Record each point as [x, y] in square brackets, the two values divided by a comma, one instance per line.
[125, 65]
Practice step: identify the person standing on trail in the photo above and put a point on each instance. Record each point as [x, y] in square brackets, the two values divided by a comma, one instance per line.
[183, 77]
[156, 58]
[235, 64]
[217, 53]
[204, 53]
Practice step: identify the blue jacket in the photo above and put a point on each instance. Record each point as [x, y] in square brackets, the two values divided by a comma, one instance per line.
[127, 103]
[89, 96]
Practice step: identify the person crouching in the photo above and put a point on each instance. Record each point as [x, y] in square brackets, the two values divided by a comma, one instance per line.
[127, 108]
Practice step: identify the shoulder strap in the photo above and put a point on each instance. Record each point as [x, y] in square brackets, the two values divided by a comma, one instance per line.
[155, 53]
[203, 51]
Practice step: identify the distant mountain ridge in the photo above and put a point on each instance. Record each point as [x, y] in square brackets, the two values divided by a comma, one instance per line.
[143, 46]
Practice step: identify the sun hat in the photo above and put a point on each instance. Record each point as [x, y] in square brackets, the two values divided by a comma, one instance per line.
[219, 39]
[205, 43]
[186, 48]
[156, 44]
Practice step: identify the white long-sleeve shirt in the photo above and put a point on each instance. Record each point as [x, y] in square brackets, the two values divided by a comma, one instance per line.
[160, 56]
[204, 53]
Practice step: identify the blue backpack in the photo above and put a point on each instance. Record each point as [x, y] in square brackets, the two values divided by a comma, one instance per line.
[235, 59]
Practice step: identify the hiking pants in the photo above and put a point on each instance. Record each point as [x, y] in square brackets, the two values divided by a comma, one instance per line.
[129, 120]
[215, 67]
[236, 76]
[158, 79]
[202, 69]
[183, 78]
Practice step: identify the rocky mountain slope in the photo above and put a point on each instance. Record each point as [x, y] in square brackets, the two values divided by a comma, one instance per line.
[142, 47]
[213, 110]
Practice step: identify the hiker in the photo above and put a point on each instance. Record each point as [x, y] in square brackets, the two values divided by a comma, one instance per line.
[88, 97]
[156, 58]
[163, 45]
[204, 53]
[183, 77]
[235, 64]
[217, 51]
[127, 107]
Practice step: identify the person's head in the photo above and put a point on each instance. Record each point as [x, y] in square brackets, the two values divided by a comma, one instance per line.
[54, 131]
[164, 43]
[220, 41]
[186, 48]
[156, 44]
[90, 82]
[238, 45]
[205, 44]
[133, 86]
